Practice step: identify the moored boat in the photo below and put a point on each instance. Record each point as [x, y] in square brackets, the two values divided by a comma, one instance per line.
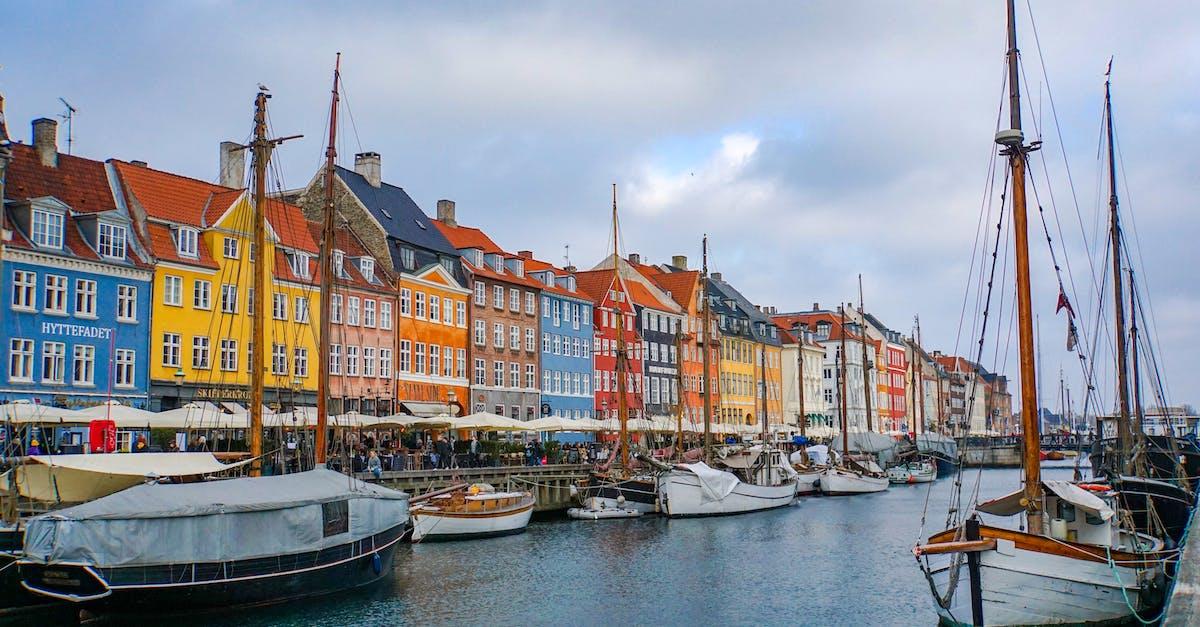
[638, 492]
[467, 513]
[919, 471]
[840, 481]
[698, 489]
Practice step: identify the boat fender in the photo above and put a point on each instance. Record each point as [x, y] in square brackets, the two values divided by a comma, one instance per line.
[1094, 487]
[377, 564]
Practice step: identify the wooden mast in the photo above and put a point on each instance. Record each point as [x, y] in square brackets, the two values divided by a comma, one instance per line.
[800, 383]
[919, 392]
[1138, 416]
[760, 389]
[622, 362]
[8, 512]
[705, 328]
[328, 231]
[1015, 151]
[261, 151]
[681, 404]
[842, 389]
[867, 392]
[1123, 432]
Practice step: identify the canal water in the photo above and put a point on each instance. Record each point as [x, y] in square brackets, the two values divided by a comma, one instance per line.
[821, 561]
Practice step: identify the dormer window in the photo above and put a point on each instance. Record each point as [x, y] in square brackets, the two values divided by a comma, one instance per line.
[447, 264]
[366, 266]
[408, 258]
[187, 242]
[339, 261]
[47, 228]
[112, 241]
[300, 265]
[476, 258]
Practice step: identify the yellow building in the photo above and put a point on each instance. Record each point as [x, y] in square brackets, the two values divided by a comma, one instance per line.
[739, 378]
[201, 334]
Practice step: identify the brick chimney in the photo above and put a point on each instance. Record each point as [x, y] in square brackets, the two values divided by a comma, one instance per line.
[525, 254]
[716, 276]
[816, 306]
[367, 164]
[45, 141]
[445, 212]
[679, 261]
[635, 258]
[233, 165]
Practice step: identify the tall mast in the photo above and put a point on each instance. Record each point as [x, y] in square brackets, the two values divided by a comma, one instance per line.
[705, 328]
[622, 362]
[862, 315]
[327, 245]
[262, 154]
[800, 383]
[680, 405]
[842, 389]
[1140, 419]
[1013, 140]
[919, 384]
[760, 388]
[1123, 432]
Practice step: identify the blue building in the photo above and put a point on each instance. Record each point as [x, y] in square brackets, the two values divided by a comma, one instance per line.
[76, 282]
[566, 336]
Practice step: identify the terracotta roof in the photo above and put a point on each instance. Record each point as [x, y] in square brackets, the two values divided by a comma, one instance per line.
[597, 283]
[536, 265]
[462, 237]
[348, 243]
[681, 286]
[80, 183]
[786, 321]
[162, 246]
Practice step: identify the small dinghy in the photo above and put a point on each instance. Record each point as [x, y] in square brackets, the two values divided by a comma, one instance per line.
[464, 512]
[602, 513]
[920, 471]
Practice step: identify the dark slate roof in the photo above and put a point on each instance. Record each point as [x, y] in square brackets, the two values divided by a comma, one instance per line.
[745, 309]
[396, 211]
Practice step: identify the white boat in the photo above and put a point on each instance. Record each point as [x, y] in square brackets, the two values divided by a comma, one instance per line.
[921, 471]
[701, 490]
[469, 513]
[602, 512]
[837, 481]
[808, 481]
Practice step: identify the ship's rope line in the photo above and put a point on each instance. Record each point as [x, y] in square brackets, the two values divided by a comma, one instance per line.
[1125, 594]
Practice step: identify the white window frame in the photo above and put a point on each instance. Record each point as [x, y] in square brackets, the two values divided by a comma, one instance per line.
[113, 243]
[20, 360]
[385, 315]
[125, 368]
[54, 363]
[201, 294]
[24, 296]
[187, 242]
[201, 353]
[54, 295]
[85, 298]
[83, 365]
[368, 318]
[172, 347]
[46, 228]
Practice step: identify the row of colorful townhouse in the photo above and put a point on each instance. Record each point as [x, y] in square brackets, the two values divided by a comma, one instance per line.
[134, 284]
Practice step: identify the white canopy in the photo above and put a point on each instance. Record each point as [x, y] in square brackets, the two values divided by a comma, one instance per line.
[78, 478]
[123, 415]
[24, 412]
[558, 423]
[1010, 504]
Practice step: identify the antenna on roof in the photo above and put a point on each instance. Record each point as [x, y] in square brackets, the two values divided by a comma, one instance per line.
[566, 254]
[69, 116]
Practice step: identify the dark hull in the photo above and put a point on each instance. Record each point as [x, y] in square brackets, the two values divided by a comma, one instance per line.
[642, 491]
[1171, 505]
[945, 466]
[1162, 464]
[136, 589]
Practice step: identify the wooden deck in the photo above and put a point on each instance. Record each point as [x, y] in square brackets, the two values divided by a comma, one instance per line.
[1184, 608]
[550, 485]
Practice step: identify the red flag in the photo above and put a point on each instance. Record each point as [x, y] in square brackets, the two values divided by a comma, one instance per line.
[1064, 303]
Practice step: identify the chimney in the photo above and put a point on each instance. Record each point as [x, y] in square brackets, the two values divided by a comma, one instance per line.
[635, 258]
[571, 269]
[367, 164]
[45, 141]
[233, 165]
[816, 306]
[525, 254]
[140, 164]
[716, 276]
[679, 261]
[445, 212]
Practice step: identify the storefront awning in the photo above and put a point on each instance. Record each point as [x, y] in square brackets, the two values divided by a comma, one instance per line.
[425, 409]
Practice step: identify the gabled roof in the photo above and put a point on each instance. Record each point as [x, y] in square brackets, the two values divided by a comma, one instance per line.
[462, 237]
[812, 319]
[598, 282]
[746, 309]
[80, 183]
[396, 212]
[536, 265]
[345, 241]
[162, 246]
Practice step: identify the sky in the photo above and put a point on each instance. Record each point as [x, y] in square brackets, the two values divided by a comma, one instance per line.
[811, 141]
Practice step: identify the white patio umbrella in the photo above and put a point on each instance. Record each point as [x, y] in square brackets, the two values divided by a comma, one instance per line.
[123, 415]
[25, 412]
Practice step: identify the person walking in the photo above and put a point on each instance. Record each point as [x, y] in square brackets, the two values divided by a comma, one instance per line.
[474, 449]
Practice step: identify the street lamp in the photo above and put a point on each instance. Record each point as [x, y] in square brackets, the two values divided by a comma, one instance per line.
[452, 398]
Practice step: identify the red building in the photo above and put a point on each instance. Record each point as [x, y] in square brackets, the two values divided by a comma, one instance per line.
[613, 317]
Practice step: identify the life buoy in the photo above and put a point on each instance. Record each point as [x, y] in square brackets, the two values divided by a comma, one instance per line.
[1094, 487]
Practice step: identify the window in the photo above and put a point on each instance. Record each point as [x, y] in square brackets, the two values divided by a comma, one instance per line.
[419, 310]
[352, 361]
[514, 299]
[408, 258]
[447, 312]
[366, 266]
[47, 229]
[575, 383]
[498, 374]
[480, 293]
[170, 349]
[557, 387]
[84, 369]
[447, 264]
[514, 337]
[557, 345]
[369, 313]
[546, 381]
[575, 316]
[405, 356]
[229, 298]
[335, 309]
[530, 342]
[555, 312]
[249, 300]
[435, 359]
[230, 248]
[460, 313]
[229, 355]
[545, 342]
[186, 242]
[300, 362]
[54, 362]
[480, 332]
[530, 376]
[405, 302]
[200, 353]
[419, 358]
[352, 311]
[278, 359]
[575, 348]
[586, 315]
[335, 359]
[339, 260]
[385, 363]
[56, 294]
[335, 518]
[385, 315]
[85, 298]
[545, 306]
[514, 375]
[447, 361]
[20, 360]
[435, 308]
[530, 304]
[250, 345]
[480, 372]
[460, 363]
[201, 294]
[25, 290]
[126, 367]
[584, 349]
[497, 335]
[301, 306]
[498, 297]
[112, 241]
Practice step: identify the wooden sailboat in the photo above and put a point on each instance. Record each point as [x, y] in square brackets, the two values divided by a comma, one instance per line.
[1072, 562]
[469, 512]
[808, 475]
[847, 477]
[248, 541]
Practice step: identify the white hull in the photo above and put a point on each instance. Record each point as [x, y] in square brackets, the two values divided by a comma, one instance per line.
[603, 502]
[680, 495]
[910, 473]
[808, 483]
[1021, 587]
[435, 525]
[837, 482]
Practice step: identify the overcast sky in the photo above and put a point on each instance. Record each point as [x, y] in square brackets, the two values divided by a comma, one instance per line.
[811, 141]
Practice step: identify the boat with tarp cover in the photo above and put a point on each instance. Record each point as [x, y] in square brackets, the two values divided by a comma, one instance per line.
[246, 541]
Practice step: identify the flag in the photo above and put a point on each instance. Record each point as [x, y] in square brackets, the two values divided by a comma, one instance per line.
[1072, 336]
[1063, 303]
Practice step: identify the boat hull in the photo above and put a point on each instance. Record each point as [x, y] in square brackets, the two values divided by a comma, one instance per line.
[639, 493]
[431, 526]
[835, 482]
[808, 483]
[178, 587]
[681, 496]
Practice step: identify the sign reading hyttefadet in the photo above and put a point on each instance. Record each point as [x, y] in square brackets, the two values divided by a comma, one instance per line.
[76, 330]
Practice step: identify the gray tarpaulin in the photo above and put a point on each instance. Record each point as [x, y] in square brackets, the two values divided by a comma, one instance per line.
[937, 443]
[881, 445]
[212, 521]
